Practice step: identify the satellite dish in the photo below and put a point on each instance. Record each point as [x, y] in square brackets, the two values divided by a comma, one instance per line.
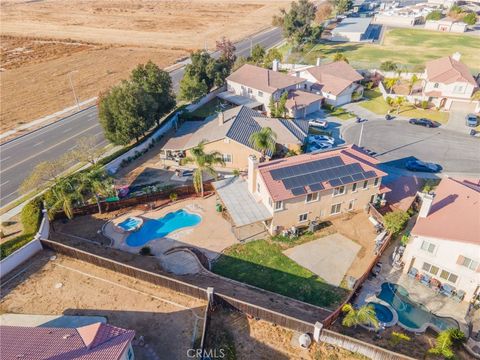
[305, 341]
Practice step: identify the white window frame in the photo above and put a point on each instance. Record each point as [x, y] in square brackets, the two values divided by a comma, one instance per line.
[339, 205]
[336, 191]
[376, 182]
[470, 262]
[249, 91]
[351, 204]
[428, 268]
[304, 215]
[270, 202]
[355, 187]
[365, 185]
[276, 207]
[448, 276]
[228, 158]
[427, 246]
[258, 187]
[313, 198]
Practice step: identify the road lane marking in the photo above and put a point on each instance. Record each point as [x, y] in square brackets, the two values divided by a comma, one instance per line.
[50, 148]
[39, 143]
[5, 158]
[66, 130]
[7, 196]
[5, 182]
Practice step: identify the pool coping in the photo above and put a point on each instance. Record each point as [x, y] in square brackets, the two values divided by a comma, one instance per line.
[374, 299]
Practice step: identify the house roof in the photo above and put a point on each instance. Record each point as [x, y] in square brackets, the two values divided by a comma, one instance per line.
[300, 99]
[239, 124]
[353, 25]
[263, 79]
[454, 214]
[447, 70]
[92, 342]
[334, 77]
[298, 175]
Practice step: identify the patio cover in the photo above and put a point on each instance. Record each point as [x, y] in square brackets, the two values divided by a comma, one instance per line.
[238, 99]
[240, 203]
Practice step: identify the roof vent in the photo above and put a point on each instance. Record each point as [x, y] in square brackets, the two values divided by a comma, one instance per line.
[66, 336]
[456, 56]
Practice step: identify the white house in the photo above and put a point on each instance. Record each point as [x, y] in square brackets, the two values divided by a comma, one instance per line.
[446, 25]
[336, 82]
[445, 241]
[351, 29]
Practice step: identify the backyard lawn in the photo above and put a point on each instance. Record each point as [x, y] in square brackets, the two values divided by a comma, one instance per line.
[377, 104]
[261, 263]
[340, 113]
[410, 47]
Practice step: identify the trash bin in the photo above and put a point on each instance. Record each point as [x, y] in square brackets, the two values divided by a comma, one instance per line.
[218, 207]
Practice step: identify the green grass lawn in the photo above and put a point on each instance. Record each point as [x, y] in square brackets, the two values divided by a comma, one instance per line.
[410, 47]
[261, 263]
[208, 109]
[340, 113]
[377, 104]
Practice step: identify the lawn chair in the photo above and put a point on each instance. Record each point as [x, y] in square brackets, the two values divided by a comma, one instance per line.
[425, 279]
[435, 285]
[459, 295]
[413, 272]
[447, 290]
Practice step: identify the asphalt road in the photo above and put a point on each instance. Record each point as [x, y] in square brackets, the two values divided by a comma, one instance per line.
[19, 157]
[396, 141]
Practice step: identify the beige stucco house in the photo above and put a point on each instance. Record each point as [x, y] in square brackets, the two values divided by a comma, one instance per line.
[445, 241]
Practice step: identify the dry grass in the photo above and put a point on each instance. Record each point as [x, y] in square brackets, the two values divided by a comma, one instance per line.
[103, 41]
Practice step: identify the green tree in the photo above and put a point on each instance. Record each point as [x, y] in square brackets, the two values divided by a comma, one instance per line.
[62, 196]
[365, 315]
[258, 53]
[435, 15]
[388, 66]
[204, 162]
[446, 341]
[396, 221]
[227, 51]
[282, 105]
[342, 6]
[94, 183]
[191, 89]
[390, 83]
[340, 57]
[46, 172]
[86, 150]
[264, 140]
[157, 83]
[272, 106]
[272, 54]
[413, 80]
[470, 19]
[297, 22]
[399, 101]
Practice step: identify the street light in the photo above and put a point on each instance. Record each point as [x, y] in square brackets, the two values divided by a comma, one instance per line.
[73, 89]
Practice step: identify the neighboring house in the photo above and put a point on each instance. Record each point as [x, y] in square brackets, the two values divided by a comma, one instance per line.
[445, 241]
[351, 29]
[296, 190]
[446, 25]
[260, 85]
[448, 81]
[337, 82]
[229, 133]
[404, 16]
[96, 341]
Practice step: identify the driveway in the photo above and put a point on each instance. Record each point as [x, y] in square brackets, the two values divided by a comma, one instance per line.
[456, 119]
[394, 142]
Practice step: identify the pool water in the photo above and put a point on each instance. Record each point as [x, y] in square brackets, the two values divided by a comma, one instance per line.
[159, 228]
[383, 313]
[130, 224]
[410, 313]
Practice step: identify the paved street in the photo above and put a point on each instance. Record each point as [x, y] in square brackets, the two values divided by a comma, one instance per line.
[396, 141]
[20, 156]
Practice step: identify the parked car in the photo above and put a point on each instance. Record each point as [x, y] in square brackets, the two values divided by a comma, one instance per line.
[471, 120]
[417, 165]
[322, 124]
[321, 139]
[423, 122]
[320, 146]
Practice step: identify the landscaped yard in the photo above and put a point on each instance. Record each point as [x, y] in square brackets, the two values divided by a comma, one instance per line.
[340, 113]
[208, 109]
[261, 263]
[409, 47]
[377, 104]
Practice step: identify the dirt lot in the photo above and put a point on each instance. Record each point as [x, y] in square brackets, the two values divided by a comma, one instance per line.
[165, 318]
[103, 41]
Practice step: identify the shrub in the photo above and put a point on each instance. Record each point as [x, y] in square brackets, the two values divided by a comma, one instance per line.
[31, 216]
[173, 197]
[424, 104]
[395, 221]
[435, 15]
[470, 19]
[388, 66]
[397, 337]
[404, 240]
[145, 251]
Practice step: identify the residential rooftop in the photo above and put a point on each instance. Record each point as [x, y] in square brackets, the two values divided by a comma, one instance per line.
[353, 25]
[447, 70]
[334, 77]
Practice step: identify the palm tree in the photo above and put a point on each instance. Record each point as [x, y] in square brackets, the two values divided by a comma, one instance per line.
[204, 162]
[413, 81]
[95, 182]
[264, 140]
[365, 315]
[63, 194]
[399, 102]
[390, 83]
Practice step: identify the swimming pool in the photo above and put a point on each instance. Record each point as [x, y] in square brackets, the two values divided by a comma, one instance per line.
[159, 228]
[130, 224]
[412, 315]
[384, 314]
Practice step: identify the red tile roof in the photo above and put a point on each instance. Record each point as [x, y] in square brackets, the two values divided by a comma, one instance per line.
[299, 99]
[91, 342]
[335, 77]
[455, 212]
[446, 70]
[349, 155]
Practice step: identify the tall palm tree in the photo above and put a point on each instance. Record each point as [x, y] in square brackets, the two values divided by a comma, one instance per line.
[264, 140]
[95, 182]
[203, 162]
[413, 81]
[390, 83]
[399, 102]
[63, 194]
[365, 315]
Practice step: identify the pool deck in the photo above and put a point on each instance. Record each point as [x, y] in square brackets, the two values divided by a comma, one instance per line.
[436, 303]
[211, 236]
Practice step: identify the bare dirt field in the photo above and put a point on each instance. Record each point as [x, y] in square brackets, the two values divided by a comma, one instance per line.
[165, 318]
[42, 41]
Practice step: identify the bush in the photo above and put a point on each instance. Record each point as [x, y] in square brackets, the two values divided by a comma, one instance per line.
[173, 197]
[424, 104]
[470, 19]
[145, 251]
[16, 243]
[395, 221]
[397, 337]
[435, 15]
[31, 216]
[388, 66]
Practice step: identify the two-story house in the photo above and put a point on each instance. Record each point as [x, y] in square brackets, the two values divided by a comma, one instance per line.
[449, 81]
[445, 241]
[262, 85]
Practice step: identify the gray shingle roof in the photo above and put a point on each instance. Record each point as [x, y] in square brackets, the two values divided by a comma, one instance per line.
[299, 128]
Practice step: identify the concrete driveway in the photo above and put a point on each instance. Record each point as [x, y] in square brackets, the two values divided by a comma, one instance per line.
[456, 118]
[329, 257]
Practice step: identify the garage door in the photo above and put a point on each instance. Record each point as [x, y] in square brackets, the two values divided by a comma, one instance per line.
[315, 106]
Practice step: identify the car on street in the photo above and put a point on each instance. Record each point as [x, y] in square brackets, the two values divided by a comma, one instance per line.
[321, 124]
[320, 146]
[423, 122]
[417, 165]
[471, 120]
[321, 139]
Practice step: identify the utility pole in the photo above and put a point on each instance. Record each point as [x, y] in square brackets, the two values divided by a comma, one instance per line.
[73, 89]
[360, 137]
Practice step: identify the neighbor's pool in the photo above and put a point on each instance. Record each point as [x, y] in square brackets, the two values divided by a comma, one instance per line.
[159, 228]
[411, 314]
[383, 313]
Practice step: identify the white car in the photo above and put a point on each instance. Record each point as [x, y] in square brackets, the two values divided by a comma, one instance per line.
[322, 124]
[322, 139]
[320, 146]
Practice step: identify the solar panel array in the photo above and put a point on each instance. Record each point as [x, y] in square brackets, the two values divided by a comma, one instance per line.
[296, 177]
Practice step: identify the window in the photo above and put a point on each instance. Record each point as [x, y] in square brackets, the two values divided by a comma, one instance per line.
[458, 89]
[335, 209]
[429, 247]
[376, 182]
[446, 275]
[469, 263]
[250, 91]
[270, 202]
[365, 184]
[312, 197]
[351, 204]
[278, 205]
[302, 217]
[372, 198]
[435, 86]
[227, 158]
[258, 187]
[354, 187]
[339, 191]
[432, 269]
[260, 94]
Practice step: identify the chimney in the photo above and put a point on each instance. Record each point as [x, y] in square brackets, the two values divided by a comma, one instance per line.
[427, 201]
[252, 173]
[275, 65]
[456, 56]
[221, 118]
[318, 61]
